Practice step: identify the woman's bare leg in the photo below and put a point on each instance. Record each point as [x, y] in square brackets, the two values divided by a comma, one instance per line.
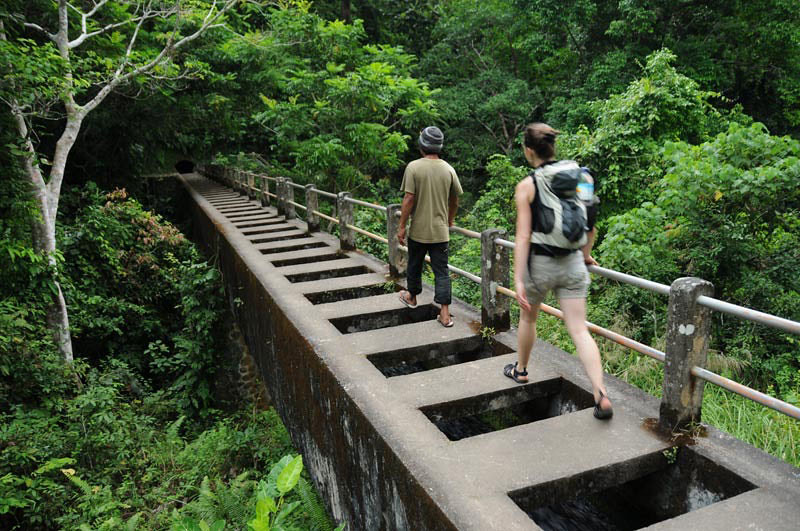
[575, 319]
[526, 337]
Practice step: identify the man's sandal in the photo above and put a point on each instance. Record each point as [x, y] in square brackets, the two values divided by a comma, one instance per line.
[405, 301]
[511, 371]
[600, 413]
[448, 324]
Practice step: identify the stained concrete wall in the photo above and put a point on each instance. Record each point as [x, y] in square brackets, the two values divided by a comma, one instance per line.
[355, 470]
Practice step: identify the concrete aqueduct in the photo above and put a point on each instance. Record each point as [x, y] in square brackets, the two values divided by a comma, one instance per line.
[404, 424]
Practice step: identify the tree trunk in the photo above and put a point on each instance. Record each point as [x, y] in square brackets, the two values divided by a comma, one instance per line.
[346, 15]
[44, 243]
[46, 196]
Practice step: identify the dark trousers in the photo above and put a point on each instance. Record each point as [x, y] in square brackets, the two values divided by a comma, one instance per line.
[416, 259]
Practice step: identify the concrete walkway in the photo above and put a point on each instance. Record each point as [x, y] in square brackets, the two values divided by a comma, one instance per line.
[405, 424]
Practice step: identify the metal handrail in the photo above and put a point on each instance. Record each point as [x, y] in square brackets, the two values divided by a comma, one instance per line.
[325, 216]
[323, 193]
[466, 274]
[297, 205]
[700, 372]
[662, 289]
[772, 321]
[747, 392]
[465, 232]
[632, 344]
[367, 233]
[366, 204]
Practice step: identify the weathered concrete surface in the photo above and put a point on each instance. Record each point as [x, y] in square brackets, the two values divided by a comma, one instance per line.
[373, 452]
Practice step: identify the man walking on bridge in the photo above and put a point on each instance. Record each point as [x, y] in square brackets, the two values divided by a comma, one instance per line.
[431, 190]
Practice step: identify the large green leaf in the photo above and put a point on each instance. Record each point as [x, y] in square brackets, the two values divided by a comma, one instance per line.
[290, 475]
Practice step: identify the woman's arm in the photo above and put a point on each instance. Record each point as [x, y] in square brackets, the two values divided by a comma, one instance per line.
[587, 248]
[523, 196]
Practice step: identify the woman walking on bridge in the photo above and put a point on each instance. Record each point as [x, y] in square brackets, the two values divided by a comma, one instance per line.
[555, 234]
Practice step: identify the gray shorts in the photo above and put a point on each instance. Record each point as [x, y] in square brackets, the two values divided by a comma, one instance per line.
[566, 275]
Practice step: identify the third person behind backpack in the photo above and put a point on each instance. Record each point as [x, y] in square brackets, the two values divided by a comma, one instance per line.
[431, 189]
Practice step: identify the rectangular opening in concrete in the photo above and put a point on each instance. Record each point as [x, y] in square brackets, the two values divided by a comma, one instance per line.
[308, 259]
[631, 494]
[265, 231]
[312, 245]
[240, 205]
[237, 213]
[259, 218]
[507, 408]
[336, 295]
[243, 213]
[427, 357]
[267, 239]
[331, 273]
[259, 223]
[385, 319]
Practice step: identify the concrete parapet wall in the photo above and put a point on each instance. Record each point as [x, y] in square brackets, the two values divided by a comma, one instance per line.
[353, 466]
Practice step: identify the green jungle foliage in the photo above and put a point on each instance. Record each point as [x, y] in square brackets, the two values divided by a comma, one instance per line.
[139, 433]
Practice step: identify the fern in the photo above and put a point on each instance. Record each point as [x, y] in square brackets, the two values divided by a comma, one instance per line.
[218, 501]
[313, 506]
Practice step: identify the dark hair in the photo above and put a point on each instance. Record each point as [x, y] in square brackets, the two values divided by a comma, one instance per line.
[541, 138]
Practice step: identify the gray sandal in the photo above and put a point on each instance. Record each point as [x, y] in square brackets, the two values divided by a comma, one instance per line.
[406, 301]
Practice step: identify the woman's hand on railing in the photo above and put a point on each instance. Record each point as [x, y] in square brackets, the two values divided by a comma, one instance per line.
[588, 260]
[522, 299]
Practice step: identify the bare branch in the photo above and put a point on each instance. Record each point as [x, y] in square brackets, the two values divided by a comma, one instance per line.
[130, 44]
[40, 29]
[209, 21]
[74, 43]
[97, 6]
[146, 14]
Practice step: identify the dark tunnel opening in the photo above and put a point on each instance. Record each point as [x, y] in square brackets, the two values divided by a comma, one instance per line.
[184, 166]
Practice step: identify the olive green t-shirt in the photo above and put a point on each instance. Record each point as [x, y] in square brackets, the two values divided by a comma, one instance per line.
[431, 181]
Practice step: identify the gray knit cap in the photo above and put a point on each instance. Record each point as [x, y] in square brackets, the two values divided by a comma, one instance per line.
[431, 139]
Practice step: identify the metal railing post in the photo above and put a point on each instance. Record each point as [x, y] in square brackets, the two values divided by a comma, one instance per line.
[312, 204]
[288, 198]
[688, 329]
[397, 259]
[347, 237]
[495, 309]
